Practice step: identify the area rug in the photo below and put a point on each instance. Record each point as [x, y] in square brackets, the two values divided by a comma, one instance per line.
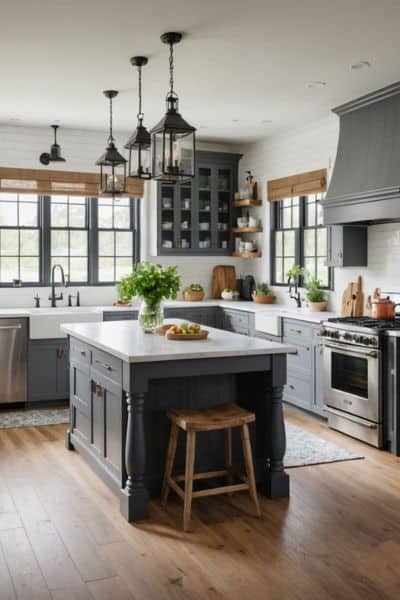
[304, 448]
[34, 417]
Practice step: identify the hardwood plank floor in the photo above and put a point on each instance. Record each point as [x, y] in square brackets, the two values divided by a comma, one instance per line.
[61, 534]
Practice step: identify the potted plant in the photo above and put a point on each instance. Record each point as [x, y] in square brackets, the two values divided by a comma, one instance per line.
[227, 294]
[152, 284]
[316, 297]
[262, 294]
[193, 292]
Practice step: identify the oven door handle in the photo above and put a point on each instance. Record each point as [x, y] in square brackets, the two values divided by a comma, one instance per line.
[353, 350]
[349, 417]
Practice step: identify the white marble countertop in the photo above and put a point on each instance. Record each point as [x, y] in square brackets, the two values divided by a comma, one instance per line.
[280, 310]
[126, 340]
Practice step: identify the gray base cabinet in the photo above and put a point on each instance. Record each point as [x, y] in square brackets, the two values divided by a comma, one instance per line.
[48, 370]
[124, 315]
[305, 385]
[238, 321]
[204, 315]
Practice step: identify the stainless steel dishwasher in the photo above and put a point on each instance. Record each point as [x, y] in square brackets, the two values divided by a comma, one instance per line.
[13, 360]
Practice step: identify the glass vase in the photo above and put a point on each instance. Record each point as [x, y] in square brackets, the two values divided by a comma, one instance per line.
[151, 315]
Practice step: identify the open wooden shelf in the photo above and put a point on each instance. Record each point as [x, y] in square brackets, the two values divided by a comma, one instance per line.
[256, 254]
[247, 230]
[247, 202]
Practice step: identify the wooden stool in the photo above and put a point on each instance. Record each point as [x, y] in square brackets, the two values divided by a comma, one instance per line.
[224, 417]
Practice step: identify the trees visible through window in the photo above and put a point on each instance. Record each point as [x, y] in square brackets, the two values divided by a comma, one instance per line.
[299, 237]
[19, 238]
[95, 240]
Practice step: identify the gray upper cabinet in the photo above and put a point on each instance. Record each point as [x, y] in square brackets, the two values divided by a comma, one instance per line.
[195, 217]
[347, 246]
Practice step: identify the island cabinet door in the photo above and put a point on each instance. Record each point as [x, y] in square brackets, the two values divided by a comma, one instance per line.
[106, 404]
[80, 400]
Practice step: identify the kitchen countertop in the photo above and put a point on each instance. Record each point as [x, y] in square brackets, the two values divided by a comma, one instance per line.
[126, 340]
[280, 310]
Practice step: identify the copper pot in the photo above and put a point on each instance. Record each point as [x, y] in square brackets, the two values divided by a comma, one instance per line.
[384, 309]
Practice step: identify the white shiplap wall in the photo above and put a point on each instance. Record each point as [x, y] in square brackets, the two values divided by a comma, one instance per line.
[314, 147]
[21, 146]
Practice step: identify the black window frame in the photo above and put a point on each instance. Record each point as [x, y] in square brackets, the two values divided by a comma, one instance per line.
[275, 209]
[18, 228]
[44, 227]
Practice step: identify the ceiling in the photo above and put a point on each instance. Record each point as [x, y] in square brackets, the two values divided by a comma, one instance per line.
[240, 64]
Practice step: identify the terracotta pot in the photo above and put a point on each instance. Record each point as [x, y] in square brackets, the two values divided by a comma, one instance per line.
[384, 309]
[193, 296]
[318, 306]
[263, 299]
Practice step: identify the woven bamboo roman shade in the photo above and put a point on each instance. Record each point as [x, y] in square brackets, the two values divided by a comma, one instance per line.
[68, 183]
[310, 182]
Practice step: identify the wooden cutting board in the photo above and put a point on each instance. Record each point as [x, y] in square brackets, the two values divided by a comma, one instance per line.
[224, 276]
[353, 299]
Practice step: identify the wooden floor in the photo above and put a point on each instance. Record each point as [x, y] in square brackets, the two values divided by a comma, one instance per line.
[62, 537]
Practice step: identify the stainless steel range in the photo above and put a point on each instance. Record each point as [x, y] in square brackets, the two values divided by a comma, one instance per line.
[353, 375]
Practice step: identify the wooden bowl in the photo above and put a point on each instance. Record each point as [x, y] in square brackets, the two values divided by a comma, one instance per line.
[264, 299]
[193, 296]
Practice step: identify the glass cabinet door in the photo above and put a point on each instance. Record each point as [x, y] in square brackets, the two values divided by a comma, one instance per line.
[223, 199]
[168, 239]
[184, 217]
[204, 207]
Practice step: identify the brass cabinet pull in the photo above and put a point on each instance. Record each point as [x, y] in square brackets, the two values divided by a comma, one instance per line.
[291, 386]
[104, 365]
[97, 388]
[60, 353]
[83, 353]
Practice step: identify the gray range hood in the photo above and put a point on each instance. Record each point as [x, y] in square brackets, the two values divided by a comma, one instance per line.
[365, 184]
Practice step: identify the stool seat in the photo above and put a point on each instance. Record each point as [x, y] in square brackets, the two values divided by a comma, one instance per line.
[211, 419]
[223, 417]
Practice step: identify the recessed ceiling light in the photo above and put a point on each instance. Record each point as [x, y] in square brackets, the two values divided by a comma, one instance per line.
[316, 84]
[235, 120]
[266, 121]
[362, 64]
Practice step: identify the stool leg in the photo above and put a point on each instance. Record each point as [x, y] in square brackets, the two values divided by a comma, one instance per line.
[228, 454]
[248, 461]
[173, 440]
[189, 471]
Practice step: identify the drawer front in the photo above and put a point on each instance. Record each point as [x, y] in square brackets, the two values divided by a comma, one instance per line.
[79, 352]
[237, 321]
[301, 360]
[297, 331]
[120, 316]
[268, 336]
[107, 366]
[298, 391]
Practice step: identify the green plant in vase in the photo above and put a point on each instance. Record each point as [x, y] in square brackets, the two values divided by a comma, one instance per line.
[153, 284]
[317, 298]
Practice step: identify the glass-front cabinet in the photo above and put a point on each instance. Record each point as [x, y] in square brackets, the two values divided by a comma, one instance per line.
[195, 217]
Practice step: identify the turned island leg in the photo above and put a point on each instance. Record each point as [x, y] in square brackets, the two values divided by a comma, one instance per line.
[277, 481]
[134, 497]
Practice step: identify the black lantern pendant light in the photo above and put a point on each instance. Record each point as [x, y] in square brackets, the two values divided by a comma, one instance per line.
[55, 151]
[139, 143]
[173, 139]
[112, 163]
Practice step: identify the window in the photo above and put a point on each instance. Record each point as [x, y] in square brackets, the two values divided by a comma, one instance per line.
[299, 237]
[95, 240]
[19, 238]
[115, 238]
[69, 236]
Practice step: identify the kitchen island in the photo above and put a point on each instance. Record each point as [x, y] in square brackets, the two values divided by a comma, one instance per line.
[123, 381]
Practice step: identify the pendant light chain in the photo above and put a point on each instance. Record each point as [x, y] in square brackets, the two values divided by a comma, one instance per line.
[140, 114]
[111, 138]
[171, 68]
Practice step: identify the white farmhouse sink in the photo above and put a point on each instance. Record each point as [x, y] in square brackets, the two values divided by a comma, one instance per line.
[44, 323]
[268, 322]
